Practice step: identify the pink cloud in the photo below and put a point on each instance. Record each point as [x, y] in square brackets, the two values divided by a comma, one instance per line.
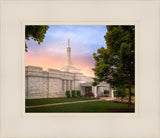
[85, 63]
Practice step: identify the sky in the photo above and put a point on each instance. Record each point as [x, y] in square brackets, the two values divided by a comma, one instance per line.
[52, 52]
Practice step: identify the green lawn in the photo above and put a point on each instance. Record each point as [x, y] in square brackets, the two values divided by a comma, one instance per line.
[30, 102]
[86, 107]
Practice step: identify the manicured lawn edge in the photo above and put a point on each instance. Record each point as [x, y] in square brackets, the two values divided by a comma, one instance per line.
[30, 102]
[86, 107]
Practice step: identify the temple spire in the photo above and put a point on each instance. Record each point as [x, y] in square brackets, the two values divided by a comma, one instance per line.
[68, 42]
[68, 67]
[69, 62]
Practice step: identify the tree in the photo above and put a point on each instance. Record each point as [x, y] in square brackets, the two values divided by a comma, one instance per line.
[35, 32]
[115, 64]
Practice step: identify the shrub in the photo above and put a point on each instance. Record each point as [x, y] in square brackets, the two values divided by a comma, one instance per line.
[68, 94]
[73, 93]
[78, 93]
[89, 94]
[106, 92]
[120, 92]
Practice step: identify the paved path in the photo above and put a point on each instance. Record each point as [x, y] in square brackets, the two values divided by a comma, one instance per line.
[35, 106]
[108, 98]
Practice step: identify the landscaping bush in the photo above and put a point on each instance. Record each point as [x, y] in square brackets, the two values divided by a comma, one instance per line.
[68, 94]
[89, 94]
[73, 93]
[106, 92]
[120, 93]
[78, 93]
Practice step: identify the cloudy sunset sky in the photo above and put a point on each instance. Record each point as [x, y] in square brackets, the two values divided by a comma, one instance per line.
[52, 52]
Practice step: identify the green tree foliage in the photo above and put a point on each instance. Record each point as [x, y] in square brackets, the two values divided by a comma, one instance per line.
[35, 32]
[115, 64]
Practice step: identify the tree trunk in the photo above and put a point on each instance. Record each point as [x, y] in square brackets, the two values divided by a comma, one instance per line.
[129, 105]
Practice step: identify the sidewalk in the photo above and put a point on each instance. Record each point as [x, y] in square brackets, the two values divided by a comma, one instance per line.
[108, 98]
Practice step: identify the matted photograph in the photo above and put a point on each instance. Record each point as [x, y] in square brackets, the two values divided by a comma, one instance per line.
[79, 68]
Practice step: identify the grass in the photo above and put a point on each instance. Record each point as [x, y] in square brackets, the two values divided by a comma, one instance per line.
[86, 107]
[30, 102]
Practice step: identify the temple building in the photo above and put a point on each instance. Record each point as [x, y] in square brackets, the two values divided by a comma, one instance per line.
[54, 83]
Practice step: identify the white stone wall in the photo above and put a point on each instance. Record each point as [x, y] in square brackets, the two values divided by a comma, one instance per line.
[45, 84]
[48, 84]
[36, 83]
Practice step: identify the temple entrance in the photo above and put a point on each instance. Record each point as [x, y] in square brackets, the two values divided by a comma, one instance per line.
[100, 91]
[88, 89]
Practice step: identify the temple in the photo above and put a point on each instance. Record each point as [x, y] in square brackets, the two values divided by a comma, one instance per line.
[54, 83]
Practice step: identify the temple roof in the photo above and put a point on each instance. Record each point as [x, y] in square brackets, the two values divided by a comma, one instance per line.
[70, 69]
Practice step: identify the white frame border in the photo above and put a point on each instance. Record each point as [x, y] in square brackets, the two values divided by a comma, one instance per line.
[60, 21]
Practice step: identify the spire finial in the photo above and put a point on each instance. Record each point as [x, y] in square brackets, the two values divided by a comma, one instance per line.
[68, 42]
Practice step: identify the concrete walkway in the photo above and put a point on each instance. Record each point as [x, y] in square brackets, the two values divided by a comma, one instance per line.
[44, 105]
[108, 98]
